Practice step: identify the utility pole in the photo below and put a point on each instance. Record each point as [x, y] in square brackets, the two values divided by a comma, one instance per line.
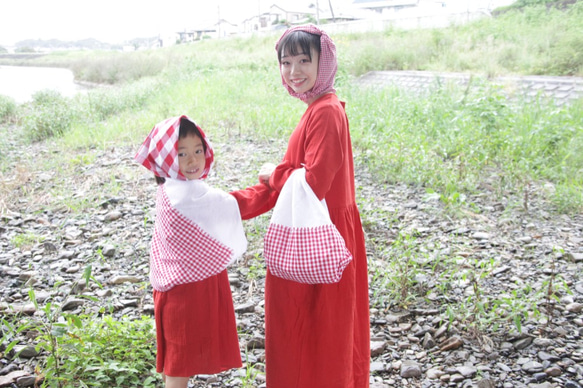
[331, 11]
[317, 13]
[218, 21]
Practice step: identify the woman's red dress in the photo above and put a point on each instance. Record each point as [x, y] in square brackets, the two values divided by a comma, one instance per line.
[318, 335]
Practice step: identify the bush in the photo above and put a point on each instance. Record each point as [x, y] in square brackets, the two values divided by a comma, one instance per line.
[49, 116]
[7, 108]
[110, 353]
[119, 68]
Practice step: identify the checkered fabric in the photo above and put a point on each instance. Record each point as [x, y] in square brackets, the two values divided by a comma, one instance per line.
[327, 66]
[302, 244]
[306, 255]
[182, 252]
[159, 151]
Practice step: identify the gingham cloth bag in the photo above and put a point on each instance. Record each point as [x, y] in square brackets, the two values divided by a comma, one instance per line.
[301, 243]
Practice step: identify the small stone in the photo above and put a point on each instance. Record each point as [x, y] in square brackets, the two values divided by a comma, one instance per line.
[546, 384]
[486, 383]
[113, 216]
[26, 381]
[544, 356]
[72, 269]
[25, 351]
[441, 331]
[467, 371]
[451, 344]
[532, 367]
[377, 348]
[108, 250]
[410, 369]
[522, 343]
[574, 307]
[256, 343]
[572, 384]
[428, 341]
[456, 378]
[377, 366]
[124, 279]
[554, 371]
[248, 307]
[72, 304]
[543, 342]
[11, 377]
[434, 373]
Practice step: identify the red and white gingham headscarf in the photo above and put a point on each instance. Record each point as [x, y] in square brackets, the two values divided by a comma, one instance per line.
[326, 68]
[159, 152]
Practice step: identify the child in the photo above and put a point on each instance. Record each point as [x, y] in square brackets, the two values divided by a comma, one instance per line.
[198, 232]
[316, 335]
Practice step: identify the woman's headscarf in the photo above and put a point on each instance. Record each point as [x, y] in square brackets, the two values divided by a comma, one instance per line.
[159, 152]
[327, 65]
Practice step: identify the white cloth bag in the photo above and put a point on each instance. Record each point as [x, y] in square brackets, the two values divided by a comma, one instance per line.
[302, 244]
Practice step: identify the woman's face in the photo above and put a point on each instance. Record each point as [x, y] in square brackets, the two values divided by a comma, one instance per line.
[191, 157]
[299, 72]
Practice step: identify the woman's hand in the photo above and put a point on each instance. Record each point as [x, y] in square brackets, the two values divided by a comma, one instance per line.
[265, 173]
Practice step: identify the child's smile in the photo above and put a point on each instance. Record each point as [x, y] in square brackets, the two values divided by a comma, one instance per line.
[191, 157]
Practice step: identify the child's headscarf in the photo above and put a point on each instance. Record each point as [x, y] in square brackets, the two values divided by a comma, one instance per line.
[159, 152]
[326, 68]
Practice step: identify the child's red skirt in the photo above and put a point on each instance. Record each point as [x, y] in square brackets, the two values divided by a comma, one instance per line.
[196, 331]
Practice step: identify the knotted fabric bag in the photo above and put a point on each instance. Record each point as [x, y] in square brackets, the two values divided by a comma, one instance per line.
[302, 244]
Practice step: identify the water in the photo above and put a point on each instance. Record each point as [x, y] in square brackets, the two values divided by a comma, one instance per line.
[21, 82]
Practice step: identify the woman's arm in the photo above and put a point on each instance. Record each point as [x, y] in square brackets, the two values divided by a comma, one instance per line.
[255, 200]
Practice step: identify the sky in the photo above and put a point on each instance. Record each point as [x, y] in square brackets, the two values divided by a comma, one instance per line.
[116, 21]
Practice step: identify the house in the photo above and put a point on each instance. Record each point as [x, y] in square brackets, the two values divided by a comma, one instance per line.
[277, 17]
[196, 34]
[382, 6]
[224, 28]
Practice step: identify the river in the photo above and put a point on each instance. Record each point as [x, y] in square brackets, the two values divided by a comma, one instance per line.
[21, 82]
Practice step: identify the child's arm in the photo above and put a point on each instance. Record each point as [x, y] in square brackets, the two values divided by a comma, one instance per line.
[255, 200]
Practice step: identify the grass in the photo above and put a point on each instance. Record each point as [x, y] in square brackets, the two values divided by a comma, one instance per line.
[452, 142]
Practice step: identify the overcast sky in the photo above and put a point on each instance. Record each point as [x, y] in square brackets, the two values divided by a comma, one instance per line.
[115, 21]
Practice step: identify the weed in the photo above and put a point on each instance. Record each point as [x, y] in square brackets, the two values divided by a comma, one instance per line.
[25, 240]
[50, 116]
[7, 108]
[83, 351]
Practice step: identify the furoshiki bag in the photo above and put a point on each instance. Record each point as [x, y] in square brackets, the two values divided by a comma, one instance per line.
[302, 244]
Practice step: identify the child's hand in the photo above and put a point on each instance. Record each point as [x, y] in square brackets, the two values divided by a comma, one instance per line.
[265, 172]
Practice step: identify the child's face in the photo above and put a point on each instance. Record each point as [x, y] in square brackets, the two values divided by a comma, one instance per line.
[299, 72]
[191, 158]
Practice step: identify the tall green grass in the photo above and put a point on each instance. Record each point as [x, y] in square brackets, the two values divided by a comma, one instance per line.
[451, 140]
[455, 142]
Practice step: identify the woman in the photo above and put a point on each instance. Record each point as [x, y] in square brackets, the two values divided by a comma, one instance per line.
[316, 335]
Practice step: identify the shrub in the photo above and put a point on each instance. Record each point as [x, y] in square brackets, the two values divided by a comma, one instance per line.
[111, 353]
[7, 108]
[49, 116]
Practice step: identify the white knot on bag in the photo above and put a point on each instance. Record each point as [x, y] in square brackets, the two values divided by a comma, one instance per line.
[302, 244]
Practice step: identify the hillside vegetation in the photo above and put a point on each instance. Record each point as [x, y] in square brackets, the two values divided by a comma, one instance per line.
[448, 141]
[431, 170]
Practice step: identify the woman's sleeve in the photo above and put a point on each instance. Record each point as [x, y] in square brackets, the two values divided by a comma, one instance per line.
[255, 200]
[323, 153]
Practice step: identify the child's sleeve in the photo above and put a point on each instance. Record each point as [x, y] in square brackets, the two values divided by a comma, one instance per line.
[255, 200]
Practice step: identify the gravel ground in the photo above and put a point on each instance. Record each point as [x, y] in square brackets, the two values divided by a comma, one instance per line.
[430, 326]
